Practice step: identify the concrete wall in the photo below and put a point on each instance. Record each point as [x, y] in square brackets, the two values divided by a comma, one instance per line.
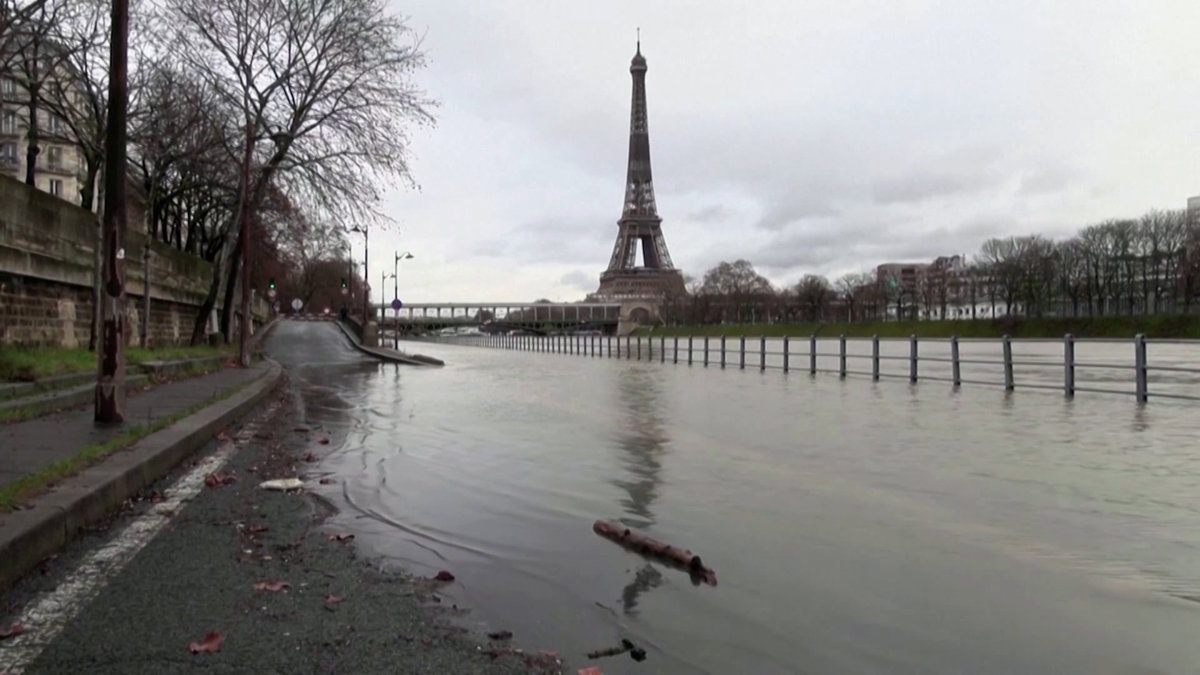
[46, 249]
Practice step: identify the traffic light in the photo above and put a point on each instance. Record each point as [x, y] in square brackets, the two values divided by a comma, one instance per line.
[343, 282]
[271, 283]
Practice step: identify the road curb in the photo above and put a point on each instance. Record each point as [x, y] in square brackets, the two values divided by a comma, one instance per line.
[28, 536]
[389, 354]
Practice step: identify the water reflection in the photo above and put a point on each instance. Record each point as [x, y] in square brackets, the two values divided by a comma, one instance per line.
[642, 439]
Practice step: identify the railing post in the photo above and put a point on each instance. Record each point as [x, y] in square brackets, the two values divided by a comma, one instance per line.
[1009, 384]
[639, 348]
[675, 350]
[705, 351]
[1069, 365]
[662, 349]
[1139, 355]
[742, 352]
[812, 355]
[912, 358]
[842, 356]
[955, 364]
[722, 351]
[875, 358]
[786, 356]
[629, 348]
[762, 353]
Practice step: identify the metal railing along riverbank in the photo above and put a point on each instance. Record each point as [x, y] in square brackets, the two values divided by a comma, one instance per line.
[1116, 366]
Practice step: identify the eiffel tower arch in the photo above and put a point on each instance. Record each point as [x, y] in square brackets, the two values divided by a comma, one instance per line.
[642, 287]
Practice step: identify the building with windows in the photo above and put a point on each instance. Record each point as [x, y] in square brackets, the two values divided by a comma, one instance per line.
[59, 166]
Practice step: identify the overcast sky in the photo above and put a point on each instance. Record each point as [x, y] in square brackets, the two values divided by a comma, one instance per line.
[803, 136]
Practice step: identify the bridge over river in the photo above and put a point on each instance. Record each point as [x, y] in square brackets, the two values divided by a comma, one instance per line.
[539, 317]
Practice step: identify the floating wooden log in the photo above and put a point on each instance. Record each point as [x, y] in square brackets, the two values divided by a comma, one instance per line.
[648, 546]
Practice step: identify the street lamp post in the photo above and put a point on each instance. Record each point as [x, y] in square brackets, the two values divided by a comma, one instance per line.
[366, 271]
[396, 290]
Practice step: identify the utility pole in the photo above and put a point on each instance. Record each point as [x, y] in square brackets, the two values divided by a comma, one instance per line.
[110, 384]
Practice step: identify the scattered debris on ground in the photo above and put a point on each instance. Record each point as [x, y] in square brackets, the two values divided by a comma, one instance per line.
[282, 484]
[211, 643]
[218, 479]
[11, 630]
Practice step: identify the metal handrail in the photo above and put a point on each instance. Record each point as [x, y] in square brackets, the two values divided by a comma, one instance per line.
[725, 353]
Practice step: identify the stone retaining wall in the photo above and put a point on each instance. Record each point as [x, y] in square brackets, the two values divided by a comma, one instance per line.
[46, 248]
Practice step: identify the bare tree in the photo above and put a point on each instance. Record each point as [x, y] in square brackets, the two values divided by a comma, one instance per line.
[15, 15]
[1072, 273]
[34, 58]
[814, 293]
[1001, 258]
[854, 289]
[77, 96]
[737, 285]
[323, 94]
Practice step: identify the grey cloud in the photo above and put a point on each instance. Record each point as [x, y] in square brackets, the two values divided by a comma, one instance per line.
[842, 164]
[580, 279]
[919, 187]
[708, 213]
[1047, 178]
[792, 207]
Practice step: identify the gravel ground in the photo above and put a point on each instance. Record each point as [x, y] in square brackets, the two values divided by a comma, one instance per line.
[199, 575]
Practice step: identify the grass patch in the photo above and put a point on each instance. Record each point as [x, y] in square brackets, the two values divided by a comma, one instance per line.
[30, 364]
[1173, 326]
[18, 414]
[32, 484]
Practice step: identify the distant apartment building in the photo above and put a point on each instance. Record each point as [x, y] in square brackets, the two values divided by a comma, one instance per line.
[59, 166]
[899, 283]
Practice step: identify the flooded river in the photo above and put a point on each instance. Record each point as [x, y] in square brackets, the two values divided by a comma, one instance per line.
[855, 527]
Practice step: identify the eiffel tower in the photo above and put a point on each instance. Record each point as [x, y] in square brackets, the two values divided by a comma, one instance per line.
[656, 278]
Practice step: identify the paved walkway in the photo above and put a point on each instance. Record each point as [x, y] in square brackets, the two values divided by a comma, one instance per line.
[27, 446]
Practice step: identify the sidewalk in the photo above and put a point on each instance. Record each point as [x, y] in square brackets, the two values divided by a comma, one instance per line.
[26, 447]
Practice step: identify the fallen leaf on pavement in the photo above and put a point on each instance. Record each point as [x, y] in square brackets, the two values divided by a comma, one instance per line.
[325, 481]
[501, 635]
[11, 630]
[211, 643]
[444, 576]
[332, 599]
[216, 479]
[272, 586]
[310, 456]
[223, 437]
[425, 640]
[591, 670]
[255, 529]
[323, 441]
[340, 536]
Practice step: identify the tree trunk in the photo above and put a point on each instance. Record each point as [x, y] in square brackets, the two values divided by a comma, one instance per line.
[230, 287]
[87, 193]
[214, 287]
[32, 149]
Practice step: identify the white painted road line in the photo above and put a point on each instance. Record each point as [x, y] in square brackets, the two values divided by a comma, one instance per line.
[46, 616]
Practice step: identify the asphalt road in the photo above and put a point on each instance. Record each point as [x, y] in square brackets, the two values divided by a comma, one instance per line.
[199, 573]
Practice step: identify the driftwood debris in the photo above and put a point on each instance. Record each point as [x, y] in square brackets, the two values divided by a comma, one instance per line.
[648, 546]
